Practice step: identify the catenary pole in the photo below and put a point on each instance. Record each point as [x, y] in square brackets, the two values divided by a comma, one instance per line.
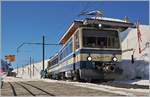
[33, 67]
[43, 47]
[30, 66]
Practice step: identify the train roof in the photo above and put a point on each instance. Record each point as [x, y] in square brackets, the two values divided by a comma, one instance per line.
[108, 19]
[70, 31]
[93, 20]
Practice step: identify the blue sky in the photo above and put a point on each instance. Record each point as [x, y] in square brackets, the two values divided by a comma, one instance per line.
[28, 21]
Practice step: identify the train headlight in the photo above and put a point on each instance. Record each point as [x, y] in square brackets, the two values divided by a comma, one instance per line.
[114, 59]
[89, 58]
[99, 25]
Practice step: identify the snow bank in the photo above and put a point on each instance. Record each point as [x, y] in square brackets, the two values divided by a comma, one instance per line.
[35, 71]
[134, 82]
[18, 79]
[140, 68]
[108, 19]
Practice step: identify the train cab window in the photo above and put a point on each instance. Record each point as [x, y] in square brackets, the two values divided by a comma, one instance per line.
[89, 41]
[100, 39]
[102, 42]
[110, 42]
[116, 42]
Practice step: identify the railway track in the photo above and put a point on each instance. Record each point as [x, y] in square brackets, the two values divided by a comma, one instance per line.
[50, 94]
[22, 88]
[26, 89]
[41, 88]
[13, 89]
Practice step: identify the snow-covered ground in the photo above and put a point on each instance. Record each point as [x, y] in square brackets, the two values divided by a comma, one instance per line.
[135, 82]
[16, 79]
[105, 88]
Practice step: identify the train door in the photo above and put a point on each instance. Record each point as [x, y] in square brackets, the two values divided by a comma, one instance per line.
[76, 56]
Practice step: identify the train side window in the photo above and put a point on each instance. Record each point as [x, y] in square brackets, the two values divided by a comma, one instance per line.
[66, 50]
[77, 40]
[70, 47]
[60, 56]
[49, 64]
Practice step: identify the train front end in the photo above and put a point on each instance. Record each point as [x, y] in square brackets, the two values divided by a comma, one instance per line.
[100, 54]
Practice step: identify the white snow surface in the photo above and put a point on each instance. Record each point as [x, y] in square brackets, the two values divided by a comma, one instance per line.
[108, 19]
[35, 73]
[105, 88]
[18, 79]
[129, 40]
[134, 82]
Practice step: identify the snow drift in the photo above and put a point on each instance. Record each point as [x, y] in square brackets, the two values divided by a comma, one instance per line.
[140, 67]
[31, 71]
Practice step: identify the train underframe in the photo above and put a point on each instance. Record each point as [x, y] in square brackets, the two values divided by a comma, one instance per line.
[109, 72]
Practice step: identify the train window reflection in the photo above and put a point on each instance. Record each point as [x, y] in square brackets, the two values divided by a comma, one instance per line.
[89, 41]
[77, 40]
[100, 39]
[102, 42]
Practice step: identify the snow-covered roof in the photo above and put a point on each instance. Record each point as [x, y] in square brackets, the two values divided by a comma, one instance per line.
[71, 29]
[96, 20]
[108, 19]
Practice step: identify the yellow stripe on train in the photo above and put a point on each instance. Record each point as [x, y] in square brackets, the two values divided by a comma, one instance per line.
[83, 57]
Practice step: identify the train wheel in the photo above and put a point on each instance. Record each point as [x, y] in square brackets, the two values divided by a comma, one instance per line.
[76, 76]
[63, 76]
[57, 77]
